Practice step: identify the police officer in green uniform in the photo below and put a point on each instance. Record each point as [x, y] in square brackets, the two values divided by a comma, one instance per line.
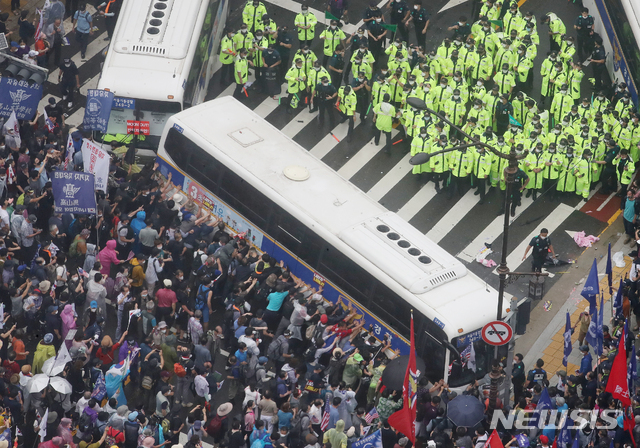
[519, 182]
[384, 113]
[227, 56]
[539, 246]
[327, 94]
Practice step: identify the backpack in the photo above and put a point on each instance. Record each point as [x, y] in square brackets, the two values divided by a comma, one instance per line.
[85, 424]
[179, 370]
[147, 382]
[215, 425]
[112, 435]
[274, 351]
[201, 298]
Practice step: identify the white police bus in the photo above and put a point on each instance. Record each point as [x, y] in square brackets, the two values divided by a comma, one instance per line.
[295, 208]
[160, 59]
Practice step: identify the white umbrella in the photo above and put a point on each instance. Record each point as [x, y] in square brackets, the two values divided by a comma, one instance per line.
[56, 364]
[38, 382]
[41, 380]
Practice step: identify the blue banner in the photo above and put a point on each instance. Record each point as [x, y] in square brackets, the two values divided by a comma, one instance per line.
[96, 114]
[372, 441]
[73, 192]
[19, 96]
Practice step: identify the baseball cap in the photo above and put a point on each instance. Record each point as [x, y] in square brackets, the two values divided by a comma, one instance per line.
[93, 304]
[32, 218]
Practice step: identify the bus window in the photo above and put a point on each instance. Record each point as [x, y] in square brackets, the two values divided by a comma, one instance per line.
[429, 349]
[244, 198]
[461, 374]
[346, 274]
[295, 236]
[391, 308]
[193, 160]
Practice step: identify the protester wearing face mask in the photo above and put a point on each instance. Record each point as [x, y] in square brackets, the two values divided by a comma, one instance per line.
[540, 246]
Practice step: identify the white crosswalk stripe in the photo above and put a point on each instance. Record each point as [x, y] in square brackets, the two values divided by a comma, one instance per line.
[417, 202]
[330, 140]
[363, 156]
[298, 123]
[390, 179]
[453, 216]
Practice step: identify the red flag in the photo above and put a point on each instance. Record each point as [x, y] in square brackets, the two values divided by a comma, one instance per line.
[617, 385]
[403, 419]
[554, 444]
[494, 441]
[629, 423]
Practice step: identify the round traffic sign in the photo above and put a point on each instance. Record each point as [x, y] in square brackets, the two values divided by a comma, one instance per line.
[497, 333]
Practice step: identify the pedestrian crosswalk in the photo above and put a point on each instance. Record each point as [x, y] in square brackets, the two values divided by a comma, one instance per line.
[460, 225]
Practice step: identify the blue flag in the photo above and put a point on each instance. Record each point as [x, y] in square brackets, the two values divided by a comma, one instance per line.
[100, 388]
[590, 291]
[599, 328]
[632, 371]
[73, 192]
[523, 440]
[564, 436]
[567, 340]
[544, 403]
[6, 435]
[98, 109]
[609, 271]
[371, 441]
[617, 303]
[576, 442]
[19, 96]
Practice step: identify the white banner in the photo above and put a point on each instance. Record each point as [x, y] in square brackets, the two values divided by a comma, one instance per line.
[96, 162]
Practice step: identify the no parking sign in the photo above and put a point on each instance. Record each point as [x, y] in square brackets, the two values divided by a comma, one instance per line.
[497, 333]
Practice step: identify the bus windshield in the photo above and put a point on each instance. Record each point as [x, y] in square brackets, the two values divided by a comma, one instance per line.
[156, 113]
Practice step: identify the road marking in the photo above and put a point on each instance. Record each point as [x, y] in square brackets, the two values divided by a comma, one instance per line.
[551, 222]
[324, 146]
[451, 4]
[417, 202]
[362, 157]
[391, 179]
[95, 46]
[91, 83]
[491, 232]
[606, 201]
[268, 105]
[453, 216]
[76, 118]
[298, 123]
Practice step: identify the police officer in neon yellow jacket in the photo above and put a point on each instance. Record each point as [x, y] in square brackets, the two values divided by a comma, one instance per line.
[584, 173]
[440, 162]
[534, 165]
[561, 104]
[482, 163]
[556, 30]
[306, 24]
[421, 142]
[624, 170]
[296, 84]
[454, 108]
[347, 101]
[227, 55]
[384, 113]
[252, 13]
[461, 166]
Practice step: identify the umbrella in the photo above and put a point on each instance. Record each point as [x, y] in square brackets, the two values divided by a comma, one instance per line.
[465, 410]
[50, 367]
[393, 374]
[41, 380]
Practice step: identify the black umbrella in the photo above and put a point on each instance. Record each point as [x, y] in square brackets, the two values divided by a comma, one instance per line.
[393, 375]
[465, 410]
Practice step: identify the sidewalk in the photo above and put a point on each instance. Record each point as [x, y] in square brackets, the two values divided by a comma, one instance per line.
[544, 337]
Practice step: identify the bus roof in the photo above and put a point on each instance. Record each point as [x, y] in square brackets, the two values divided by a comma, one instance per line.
[440, 282]
[151, 44]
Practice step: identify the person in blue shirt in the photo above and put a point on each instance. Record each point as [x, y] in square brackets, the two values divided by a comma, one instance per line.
[82, 22]
[585, 364]
[272, 313]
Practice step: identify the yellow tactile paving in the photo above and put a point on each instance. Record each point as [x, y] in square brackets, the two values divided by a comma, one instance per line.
[553, 353]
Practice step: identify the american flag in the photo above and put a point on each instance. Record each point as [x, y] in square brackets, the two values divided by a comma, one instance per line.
[468, 356]
[48, 122]
[371, 415]
[70, 151]
[324, 424]
[83, 273]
